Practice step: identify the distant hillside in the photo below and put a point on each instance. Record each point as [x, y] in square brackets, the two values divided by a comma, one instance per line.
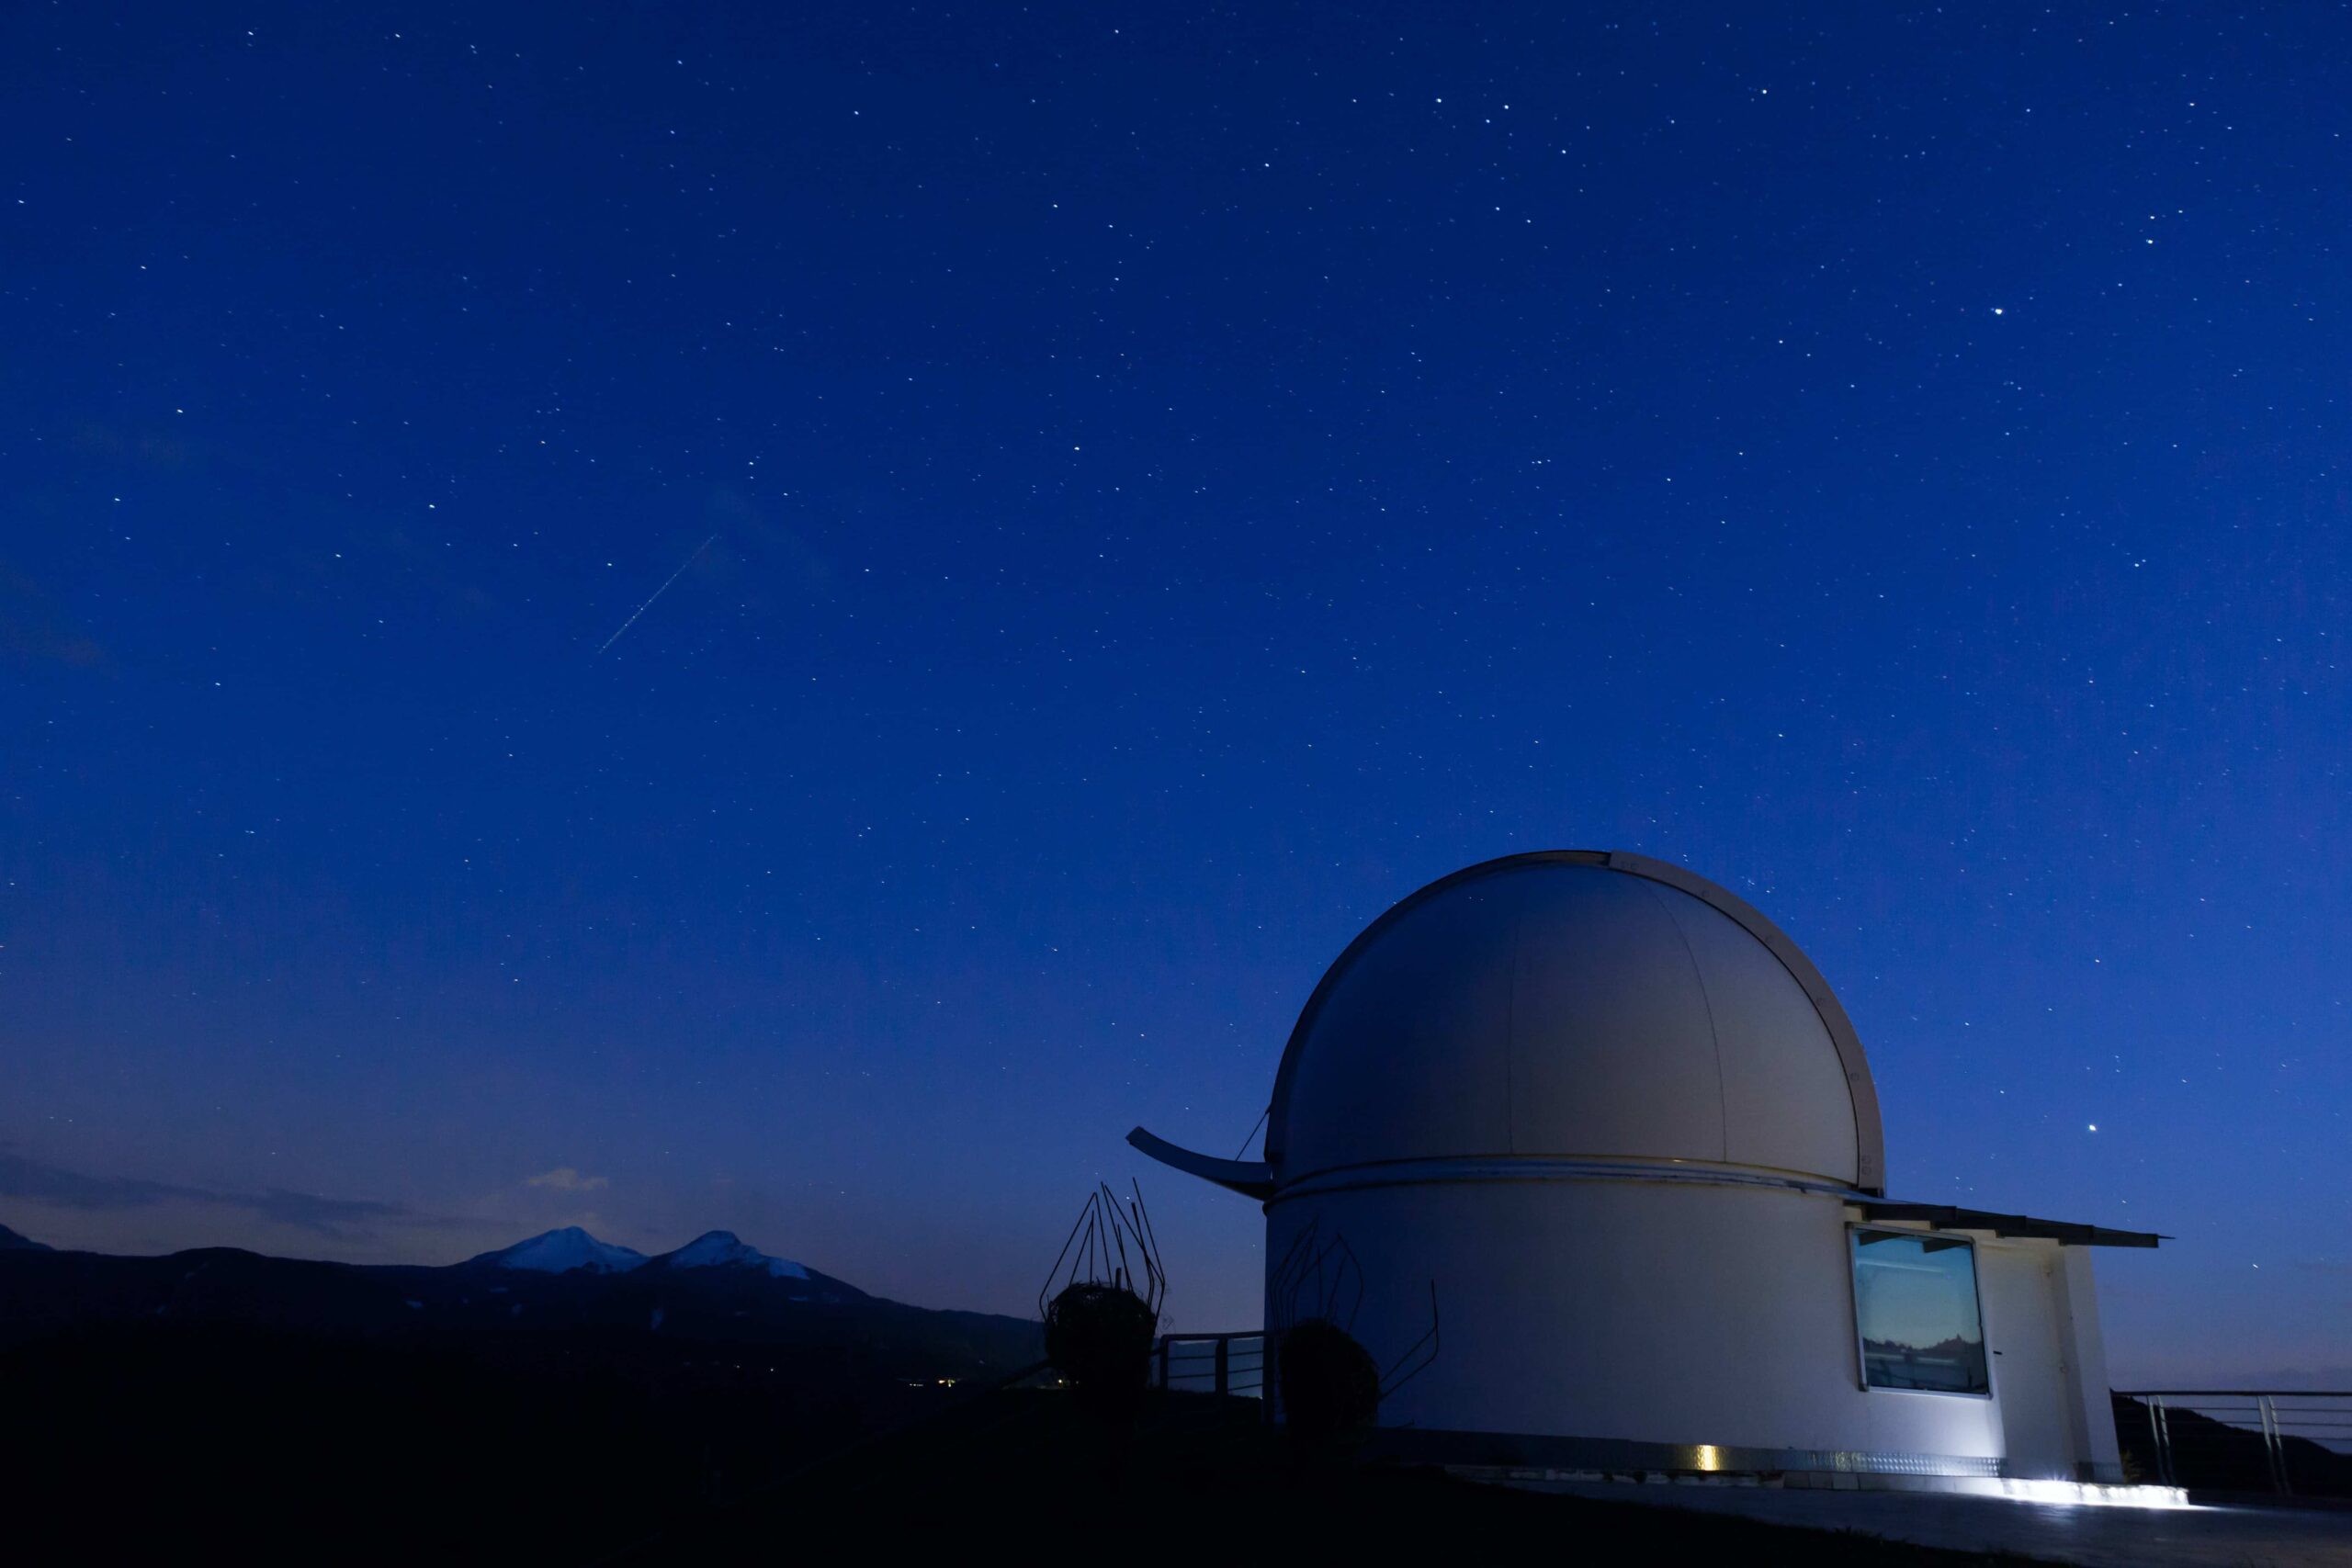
[545, 1403]
[713, 1288]
[11, 1241]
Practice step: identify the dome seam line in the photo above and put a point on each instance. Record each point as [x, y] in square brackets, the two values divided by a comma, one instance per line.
[1511, 1029]
[1707, 1001]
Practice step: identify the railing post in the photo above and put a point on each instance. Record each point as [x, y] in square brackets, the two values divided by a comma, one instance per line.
[2272, 1448]
[1163, 1360]
[1222, 1341]
[2219, 1455]
[2278, 1434]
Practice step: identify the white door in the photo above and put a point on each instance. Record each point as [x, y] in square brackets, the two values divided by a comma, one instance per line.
[2029, 1374]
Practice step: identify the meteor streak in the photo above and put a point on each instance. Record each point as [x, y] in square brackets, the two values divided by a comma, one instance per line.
[657, 593]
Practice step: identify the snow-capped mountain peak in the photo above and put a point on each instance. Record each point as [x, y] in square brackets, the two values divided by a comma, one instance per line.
[715, 1249]
[561, 1251]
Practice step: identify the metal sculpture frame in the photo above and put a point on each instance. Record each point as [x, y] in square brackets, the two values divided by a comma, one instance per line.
[1332, 1268]
[1111, 1244]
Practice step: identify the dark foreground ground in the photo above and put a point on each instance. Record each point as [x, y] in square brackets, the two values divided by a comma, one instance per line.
[226, 1443]
[219, 1405]
[234, 1442]
[1201, 1480]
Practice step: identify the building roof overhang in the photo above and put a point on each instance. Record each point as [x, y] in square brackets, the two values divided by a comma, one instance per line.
[1947, 1217]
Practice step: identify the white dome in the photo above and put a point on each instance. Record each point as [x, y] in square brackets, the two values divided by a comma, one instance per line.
[1582, 1005]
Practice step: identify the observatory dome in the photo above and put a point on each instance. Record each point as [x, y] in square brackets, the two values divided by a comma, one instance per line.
[1577, 1005]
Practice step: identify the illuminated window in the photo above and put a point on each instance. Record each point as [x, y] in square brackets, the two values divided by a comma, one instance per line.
[1915, 1302]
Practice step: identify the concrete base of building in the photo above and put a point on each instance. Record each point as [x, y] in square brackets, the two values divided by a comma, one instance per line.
[2072, 1493]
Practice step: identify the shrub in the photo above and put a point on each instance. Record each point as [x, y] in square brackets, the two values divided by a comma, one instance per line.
[1330, 1385]
[1099, 1337]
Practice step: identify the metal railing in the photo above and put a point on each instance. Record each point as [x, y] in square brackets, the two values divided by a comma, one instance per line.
[2281, 1441]
[1211, 1363]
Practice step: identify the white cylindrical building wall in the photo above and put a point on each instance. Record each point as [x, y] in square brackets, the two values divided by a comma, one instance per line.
[1670, 1313]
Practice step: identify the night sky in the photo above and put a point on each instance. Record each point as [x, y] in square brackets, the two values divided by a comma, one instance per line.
[1130, 495]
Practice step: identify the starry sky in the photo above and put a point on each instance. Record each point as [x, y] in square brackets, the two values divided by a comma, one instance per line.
[790, 617]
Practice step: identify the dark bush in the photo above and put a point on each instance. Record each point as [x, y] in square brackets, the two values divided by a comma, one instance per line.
[1330, 1385]
[1099, 1337]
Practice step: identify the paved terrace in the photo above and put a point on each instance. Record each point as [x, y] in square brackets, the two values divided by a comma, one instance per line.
[2257, 1537]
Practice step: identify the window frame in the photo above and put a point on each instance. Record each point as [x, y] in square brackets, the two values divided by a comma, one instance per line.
[1854, 1228]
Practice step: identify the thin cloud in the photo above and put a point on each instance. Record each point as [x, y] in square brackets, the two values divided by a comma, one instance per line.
[563, 1178]
[338, 1217]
